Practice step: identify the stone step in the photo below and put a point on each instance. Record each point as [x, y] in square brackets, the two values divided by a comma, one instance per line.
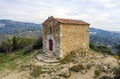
[44, 58]
[49, 55]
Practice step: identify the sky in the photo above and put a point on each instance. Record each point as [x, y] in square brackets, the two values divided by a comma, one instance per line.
[101, 14]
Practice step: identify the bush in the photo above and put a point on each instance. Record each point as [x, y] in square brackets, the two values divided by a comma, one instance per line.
[6, 46]
[116, 56]
[15, 43]
[118, 48]
[104, 49]
[117, 77]
[97, 73]
[65, 74]
[117, 70]
[106, 77]
[77, 68]
[38, 43]
[68, 58]
[92, 46]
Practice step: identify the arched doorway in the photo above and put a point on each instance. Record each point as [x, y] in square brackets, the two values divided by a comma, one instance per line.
[50, 44]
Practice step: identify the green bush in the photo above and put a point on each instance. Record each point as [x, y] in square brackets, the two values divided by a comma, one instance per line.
[77, 68]
[104, 49]
[97, 73]
[92, 46]
[15, 43]
[68, 58]
[118, 49]
[117, 70]
[106, 77]
[65, 74]
[38, 43]
[6, 46]
[117, 77]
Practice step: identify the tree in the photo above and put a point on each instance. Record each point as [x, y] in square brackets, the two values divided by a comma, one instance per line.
[92, 46]
[38, 43]
[15, 43]
[104, 49]
[118, 48]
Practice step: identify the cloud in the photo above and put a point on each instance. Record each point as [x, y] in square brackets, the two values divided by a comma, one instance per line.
[103, 14]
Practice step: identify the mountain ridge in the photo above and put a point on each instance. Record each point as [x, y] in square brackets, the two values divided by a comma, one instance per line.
[97, 36]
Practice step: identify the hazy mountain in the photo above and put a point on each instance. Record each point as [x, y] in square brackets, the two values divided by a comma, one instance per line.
[104, 37]
[9, 28]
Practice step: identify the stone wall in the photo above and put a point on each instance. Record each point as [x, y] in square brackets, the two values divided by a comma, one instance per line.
[73, 37]
[50, 22]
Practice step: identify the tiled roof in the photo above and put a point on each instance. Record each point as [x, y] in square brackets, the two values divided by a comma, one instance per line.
[70, 21]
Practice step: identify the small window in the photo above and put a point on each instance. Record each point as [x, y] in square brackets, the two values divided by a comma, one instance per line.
[50, 30]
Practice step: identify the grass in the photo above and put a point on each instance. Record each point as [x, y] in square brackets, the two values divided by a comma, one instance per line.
[13, 60]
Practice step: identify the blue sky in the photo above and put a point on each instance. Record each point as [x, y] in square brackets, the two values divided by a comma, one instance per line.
[102, 14]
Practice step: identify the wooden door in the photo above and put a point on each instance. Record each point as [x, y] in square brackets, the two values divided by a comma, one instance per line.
[50, 44]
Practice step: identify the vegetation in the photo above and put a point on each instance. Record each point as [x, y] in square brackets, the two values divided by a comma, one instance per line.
[68, 58]
[100, 48]
[17, 49]
[38, 43]
[117, 70]
[97, 73]
[37, 70]
[17, 43]
[104, 49]
[65, 74]
[11, 61]
[106, 77]
[118, 48]
[77, 68]
[92, 46]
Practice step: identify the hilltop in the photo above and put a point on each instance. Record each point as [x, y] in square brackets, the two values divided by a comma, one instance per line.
[80, 65]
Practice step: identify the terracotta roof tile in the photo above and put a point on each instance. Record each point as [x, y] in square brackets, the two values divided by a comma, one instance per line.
[70, 21]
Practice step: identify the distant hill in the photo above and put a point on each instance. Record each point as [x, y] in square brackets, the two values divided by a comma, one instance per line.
[11, 27]
[109, 38]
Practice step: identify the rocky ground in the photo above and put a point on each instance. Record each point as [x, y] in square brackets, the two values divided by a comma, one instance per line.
[80, 65]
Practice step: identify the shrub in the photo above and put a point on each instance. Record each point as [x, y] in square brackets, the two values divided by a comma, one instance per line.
[15, 43]
[105, 77]
[6, 46]
[117, 77]
[65, 74]
[68, 58]
[116, 56]
[117, 70]
[97, 73]
[92, 46]
[118, 48]
[77, 68]
[27, 50]
[104, 49]
[38, 43]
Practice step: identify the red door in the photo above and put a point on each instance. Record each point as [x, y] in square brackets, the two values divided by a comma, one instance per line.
[50, 45]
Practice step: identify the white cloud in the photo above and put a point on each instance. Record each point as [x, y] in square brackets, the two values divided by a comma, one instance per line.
[103, 14]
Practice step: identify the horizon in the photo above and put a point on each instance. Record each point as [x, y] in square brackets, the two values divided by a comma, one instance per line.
[101, 14]
[67, 18]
